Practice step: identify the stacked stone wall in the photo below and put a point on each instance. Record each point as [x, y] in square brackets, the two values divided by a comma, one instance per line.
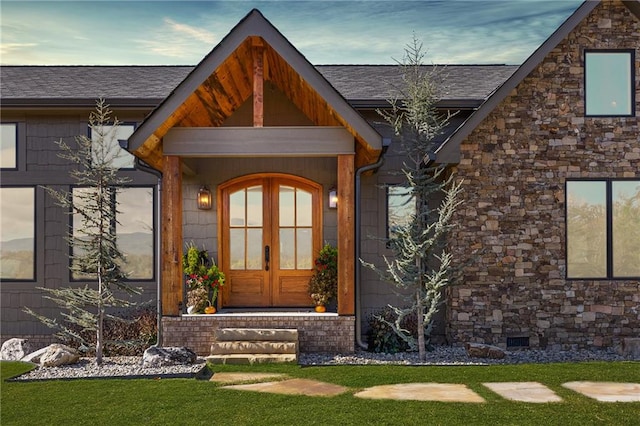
[512, 219]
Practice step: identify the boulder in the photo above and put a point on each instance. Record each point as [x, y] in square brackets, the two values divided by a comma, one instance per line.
[481, 350]
[15, 349]
[34, 357]
[57, 354]
[160, 357]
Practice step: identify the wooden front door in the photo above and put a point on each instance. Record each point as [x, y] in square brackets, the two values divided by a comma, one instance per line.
[271, 233]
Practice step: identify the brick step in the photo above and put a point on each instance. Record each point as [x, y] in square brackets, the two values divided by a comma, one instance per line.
[252, 358]
[255, 334]
[253, 347]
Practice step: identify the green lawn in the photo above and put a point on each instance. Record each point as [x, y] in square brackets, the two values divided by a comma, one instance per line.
[193, 402]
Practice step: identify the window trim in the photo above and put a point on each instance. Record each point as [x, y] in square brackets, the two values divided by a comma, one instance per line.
[609, 229]
[35, 239]
[154, 230]
[631, 82]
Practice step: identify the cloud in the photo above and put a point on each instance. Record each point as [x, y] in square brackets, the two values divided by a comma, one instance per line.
[196, 33]
[10, 48]
[179, 41]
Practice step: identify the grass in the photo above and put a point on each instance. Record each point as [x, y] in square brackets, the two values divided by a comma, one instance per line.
[193, 402]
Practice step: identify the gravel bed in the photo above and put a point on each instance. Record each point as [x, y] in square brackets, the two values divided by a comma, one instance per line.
[131, 367]
[449, 355]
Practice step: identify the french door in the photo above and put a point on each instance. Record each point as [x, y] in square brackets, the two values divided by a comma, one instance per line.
[270, 235]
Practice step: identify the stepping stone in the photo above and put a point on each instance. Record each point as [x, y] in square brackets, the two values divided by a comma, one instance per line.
[294, 387]
[422, 392]
[524, 391]
[607, 391]
[244, 377]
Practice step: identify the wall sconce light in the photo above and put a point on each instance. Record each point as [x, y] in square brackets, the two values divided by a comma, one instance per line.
[333, 198]
[205, 200]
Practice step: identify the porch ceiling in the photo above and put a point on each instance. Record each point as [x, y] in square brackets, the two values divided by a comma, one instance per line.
[231, 84]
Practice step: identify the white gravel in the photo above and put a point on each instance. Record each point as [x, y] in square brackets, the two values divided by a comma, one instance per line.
[131, 367]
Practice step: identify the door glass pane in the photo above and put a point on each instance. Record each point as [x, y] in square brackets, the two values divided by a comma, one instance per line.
[237, 248]
[287, 206]
[287, 249]
[586, 230]
[304, 248]
[626, 228]
[254, 206]
[303, 208]
[254, 248]
[237, 208]
[17, 232]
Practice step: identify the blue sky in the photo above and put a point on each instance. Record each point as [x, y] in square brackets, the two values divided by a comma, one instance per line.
[326, 32]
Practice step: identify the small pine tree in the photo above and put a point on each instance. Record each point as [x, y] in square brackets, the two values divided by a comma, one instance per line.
[95, 254]
[420, 268]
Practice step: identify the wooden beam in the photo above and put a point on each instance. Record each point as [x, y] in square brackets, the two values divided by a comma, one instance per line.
[171, 258]
[257, 54]
[346, 238]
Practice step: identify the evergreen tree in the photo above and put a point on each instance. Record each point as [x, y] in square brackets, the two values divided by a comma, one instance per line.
[420, 268]
[95, 255]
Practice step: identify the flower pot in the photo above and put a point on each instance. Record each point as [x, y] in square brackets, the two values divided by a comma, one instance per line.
[209, 310]
[320, 309]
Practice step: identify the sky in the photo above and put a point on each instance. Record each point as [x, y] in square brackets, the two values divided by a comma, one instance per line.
[325, 32]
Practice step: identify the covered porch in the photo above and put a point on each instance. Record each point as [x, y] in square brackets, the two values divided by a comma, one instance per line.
[256, 121]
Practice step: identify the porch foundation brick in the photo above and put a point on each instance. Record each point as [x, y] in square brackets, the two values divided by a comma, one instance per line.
[512, 228]
[316, 333]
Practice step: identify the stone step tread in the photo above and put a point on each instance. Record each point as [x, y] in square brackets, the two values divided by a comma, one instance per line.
[255, 334]
[253, 347]
[252, 358]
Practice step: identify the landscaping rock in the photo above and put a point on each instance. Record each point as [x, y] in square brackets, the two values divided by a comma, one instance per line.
[15, 349]
[57, 354]
[34, 357]
[480, 350]
[631, 347]
[159, 357]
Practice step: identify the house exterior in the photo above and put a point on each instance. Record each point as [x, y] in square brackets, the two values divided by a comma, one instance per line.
[269, 135]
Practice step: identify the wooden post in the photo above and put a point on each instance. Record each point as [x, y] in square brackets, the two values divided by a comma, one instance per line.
[346, 238]
[257, 54]
[171, 259]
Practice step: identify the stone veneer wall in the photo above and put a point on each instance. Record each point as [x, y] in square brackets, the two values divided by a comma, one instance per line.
[514, 167]
[316, 333]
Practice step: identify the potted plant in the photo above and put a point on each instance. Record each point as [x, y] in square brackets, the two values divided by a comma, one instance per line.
[203, 280]
[323, 285]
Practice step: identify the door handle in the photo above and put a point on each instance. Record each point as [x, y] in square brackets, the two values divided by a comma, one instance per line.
[266, 257]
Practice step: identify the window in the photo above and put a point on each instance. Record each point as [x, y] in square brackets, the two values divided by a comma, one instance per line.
[609, 82]
[133, 227]
[122, 159]
[603, 229]
[17, 232]
[8, 145]
[401, 208]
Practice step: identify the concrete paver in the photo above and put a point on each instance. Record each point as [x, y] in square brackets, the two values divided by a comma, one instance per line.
[244, 377]
[607, 391]
[294, 387]
[524, 391]
[422, 392]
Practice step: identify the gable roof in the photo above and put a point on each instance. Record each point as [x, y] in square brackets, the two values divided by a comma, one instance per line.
[223, 80]
[449, 151]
